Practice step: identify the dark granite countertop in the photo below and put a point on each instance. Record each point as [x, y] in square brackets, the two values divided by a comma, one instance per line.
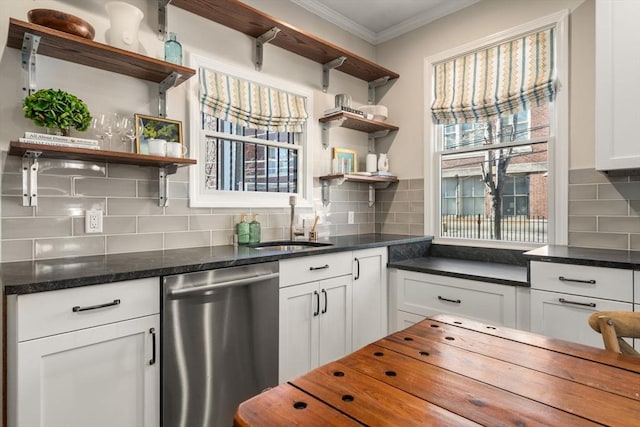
[586, 256]
[493, 272]
[60, 273]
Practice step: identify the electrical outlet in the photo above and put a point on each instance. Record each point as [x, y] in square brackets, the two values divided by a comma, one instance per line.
[93, 221]
[351, 217]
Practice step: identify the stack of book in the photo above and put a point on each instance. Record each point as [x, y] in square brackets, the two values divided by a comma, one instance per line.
[377, 173]
[60, 141]
[335, 110]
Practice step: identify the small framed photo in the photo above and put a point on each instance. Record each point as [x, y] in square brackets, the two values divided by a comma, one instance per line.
[150, 127]
[345, 160]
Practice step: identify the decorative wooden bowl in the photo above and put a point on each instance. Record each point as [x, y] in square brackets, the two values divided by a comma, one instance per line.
[62, 22]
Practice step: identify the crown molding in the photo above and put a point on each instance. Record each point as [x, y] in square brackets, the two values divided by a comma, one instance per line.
[338, 19]
[374, 38]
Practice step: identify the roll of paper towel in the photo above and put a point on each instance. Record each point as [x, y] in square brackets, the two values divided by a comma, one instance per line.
[372, 165]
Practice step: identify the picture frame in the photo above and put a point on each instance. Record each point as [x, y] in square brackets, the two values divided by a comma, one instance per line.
[151, 127]
[344, 154]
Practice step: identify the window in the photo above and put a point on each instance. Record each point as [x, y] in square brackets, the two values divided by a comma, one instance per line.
[495, 156]
[252, 132]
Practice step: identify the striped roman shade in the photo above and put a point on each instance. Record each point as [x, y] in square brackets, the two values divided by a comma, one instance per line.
[503, 79]
[250, 104]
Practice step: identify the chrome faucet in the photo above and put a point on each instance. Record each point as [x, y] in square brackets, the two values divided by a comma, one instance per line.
[293, 231]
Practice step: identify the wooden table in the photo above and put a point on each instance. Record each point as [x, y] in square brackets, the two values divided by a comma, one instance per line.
[453, 371]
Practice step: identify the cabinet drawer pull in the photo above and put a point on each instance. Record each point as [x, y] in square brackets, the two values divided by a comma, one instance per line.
[584, 304]
[358, 270]
[455, 301]
[77, 308]
[152, 331]
[324, 267]
[324, 310]
[564, 279]
[317, 311]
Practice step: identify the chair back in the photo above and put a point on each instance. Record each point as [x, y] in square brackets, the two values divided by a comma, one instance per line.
[614, 326]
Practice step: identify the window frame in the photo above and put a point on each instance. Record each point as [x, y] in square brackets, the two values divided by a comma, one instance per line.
[558, 152]
[201, 197]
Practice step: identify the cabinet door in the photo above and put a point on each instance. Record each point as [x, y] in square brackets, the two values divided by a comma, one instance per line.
[334, 319]
[98, 377]
[369, 296]
[616, 84]
[404, 319]
[566, 316]
[298, 347]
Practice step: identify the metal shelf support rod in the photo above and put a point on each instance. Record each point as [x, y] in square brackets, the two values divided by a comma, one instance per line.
[375, 84]
[30, 178]
[259, 46]
[328, 67]
[30, 43]
[164, 86]
[162, 19]
[163, 183]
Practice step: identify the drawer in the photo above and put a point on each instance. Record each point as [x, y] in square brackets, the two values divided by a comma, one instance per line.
[427, 295]
[49, 313]
[598, 282]
[316, 267]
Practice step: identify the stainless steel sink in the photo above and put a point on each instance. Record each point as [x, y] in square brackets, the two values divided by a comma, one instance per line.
[288, 245]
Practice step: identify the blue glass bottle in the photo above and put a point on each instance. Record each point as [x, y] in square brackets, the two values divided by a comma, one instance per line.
[173, 50]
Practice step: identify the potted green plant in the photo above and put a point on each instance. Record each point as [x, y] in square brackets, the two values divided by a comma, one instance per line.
[57, 109]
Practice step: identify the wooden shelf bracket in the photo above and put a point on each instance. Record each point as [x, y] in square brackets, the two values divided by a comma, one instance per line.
[30, 178]
[163, 183]
[162, 18]
[259, 46]
[164, 86]
[30, 43]
[375, 84]
[328, 67]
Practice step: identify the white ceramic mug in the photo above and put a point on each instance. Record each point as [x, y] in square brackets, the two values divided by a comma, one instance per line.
[176, 149]
[157, 147]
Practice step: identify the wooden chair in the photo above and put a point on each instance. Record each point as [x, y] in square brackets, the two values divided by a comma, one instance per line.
[613, 326]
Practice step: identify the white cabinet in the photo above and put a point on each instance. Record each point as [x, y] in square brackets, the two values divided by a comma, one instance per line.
[424, 295]
[563, 296]
[617, 90]
[315, 316]
[369, 296]
[85, 356]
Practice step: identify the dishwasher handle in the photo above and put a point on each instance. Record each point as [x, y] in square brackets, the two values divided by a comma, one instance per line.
[230, 283]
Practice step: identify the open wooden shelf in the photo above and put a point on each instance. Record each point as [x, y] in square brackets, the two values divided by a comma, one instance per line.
[241, 17]
[356, 122]
[69, 47]
[17, 148]
[359, 178]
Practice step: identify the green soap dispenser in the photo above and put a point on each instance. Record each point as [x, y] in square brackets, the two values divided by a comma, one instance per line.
[254, 230]
[242, 229]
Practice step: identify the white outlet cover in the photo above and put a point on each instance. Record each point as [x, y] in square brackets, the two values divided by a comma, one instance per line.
[351, 218]
[93, 221]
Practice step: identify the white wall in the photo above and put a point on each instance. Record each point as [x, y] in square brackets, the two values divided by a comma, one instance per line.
[406, 54]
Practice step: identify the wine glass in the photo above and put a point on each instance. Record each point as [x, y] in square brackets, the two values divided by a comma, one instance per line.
[106, 125]
[130, 131]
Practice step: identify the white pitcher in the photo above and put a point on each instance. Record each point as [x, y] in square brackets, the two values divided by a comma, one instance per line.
[383, 163]
[125, 24]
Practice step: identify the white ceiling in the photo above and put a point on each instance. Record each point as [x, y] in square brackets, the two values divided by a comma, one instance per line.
[377, 21]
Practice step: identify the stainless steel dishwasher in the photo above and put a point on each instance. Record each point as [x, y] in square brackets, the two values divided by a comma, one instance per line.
[219, 342]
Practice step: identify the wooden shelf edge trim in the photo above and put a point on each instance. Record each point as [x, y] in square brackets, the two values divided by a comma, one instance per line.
[17, 148]
[253, 22]
[374, 124]
[69, 47]
[359, 178]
